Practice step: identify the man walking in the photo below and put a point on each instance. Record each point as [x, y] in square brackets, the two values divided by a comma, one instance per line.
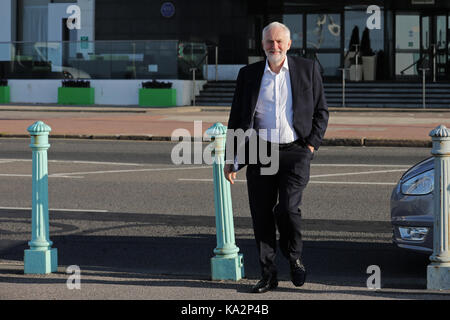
[282, 95]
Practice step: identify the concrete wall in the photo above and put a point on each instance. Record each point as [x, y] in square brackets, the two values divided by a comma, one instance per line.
[107, 92]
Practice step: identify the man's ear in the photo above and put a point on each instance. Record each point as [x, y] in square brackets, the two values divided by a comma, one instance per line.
[289, 44]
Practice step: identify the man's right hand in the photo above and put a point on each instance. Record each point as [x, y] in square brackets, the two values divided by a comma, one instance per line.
[229, 174]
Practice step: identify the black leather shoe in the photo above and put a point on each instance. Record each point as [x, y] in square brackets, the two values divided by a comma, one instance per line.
[266, 284]
[298, 273]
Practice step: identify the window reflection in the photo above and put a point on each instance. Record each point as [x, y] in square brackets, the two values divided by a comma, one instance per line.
[441, 34]
[329, 63]
[405, 60]
[323, 31]
[407, 31]
[359, 18]
[295, 24]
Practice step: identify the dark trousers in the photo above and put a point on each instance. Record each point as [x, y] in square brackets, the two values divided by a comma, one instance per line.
[275, 203]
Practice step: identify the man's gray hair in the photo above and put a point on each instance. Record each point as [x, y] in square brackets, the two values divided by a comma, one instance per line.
[276, 24]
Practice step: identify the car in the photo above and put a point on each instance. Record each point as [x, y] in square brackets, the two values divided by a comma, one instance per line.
[411, 207]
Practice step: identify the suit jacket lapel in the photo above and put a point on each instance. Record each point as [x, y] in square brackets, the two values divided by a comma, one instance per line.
[295, 83]
[255, 85]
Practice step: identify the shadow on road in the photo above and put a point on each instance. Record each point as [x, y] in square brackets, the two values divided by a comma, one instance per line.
[339, 263]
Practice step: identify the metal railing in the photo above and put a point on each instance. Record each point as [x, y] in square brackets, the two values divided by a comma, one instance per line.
[197, 66]
[424, 70]
[412, 65]
[422, 59]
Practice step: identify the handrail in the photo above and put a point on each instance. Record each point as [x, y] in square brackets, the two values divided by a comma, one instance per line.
[197, 65]
[412, 65]
[343, 69]
[318, 61]
[424, 70]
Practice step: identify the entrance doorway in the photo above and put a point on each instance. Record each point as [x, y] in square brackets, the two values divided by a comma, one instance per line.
[422, 44]
[435, 45]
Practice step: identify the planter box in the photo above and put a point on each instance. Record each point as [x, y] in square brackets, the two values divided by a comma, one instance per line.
[356, 72]
[369, 67]
[157, 97]
[4, 94]
[76, 96]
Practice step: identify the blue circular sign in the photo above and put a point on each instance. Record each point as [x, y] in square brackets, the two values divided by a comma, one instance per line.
[167, 9]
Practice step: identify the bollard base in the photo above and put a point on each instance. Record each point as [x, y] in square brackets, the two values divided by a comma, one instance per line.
[40, 261]
[438, 276]
[227, 268]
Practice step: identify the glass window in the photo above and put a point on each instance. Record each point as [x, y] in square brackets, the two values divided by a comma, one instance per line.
[448, 44]
[295, 24]
[441, 44]
[323, 31]
[404, 60]
[359, 18]
[407, 32]
[330, 63]
[34, 23]
[441, 32]
[425, 32]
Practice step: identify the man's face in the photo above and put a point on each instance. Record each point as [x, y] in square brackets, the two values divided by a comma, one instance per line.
[275, 44]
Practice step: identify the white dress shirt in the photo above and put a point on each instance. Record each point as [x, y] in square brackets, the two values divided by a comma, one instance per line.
[274, 106]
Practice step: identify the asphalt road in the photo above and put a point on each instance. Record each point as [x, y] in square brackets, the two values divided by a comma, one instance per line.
[347, 183]
[124, 205]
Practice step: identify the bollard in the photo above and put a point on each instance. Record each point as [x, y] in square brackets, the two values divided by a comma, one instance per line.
[41, 257]
[438, 271]
[227, 264]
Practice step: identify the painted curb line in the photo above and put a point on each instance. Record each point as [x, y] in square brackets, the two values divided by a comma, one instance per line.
[347, 142]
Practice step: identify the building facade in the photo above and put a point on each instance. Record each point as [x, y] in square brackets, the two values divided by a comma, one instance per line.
[137, 39]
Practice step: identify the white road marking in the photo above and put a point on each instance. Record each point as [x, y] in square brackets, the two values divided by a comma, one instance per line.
[29, 176]
[80, 175]
[14, 175]
[71, 210]
[354, 173]
[207, 180]
[354, 182]
[78, 161]
[405, 166]
[5, 161]
[123, 171]
[320, 182]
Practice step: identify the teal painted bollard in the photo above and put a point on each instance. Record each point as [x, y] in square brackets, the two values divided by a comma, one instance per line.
[438, 271]
[41, 257]
[228, 263]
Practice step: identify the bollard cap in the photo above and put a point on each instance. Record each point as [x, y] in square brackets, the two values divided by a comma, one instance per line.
[39, 127]
[217, 129]
[440, 131]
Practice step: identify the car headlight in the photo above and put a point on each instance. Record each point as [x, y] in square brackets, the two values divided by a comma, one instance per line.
[413, 233]
[420, 184]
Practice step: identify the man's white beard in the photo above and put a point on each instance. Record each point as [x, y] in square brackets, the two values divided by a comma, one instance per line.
[275, 58]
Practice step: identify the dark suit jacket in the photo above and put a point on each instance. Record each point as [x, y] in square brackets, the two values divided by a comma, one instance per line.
[308, 100]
